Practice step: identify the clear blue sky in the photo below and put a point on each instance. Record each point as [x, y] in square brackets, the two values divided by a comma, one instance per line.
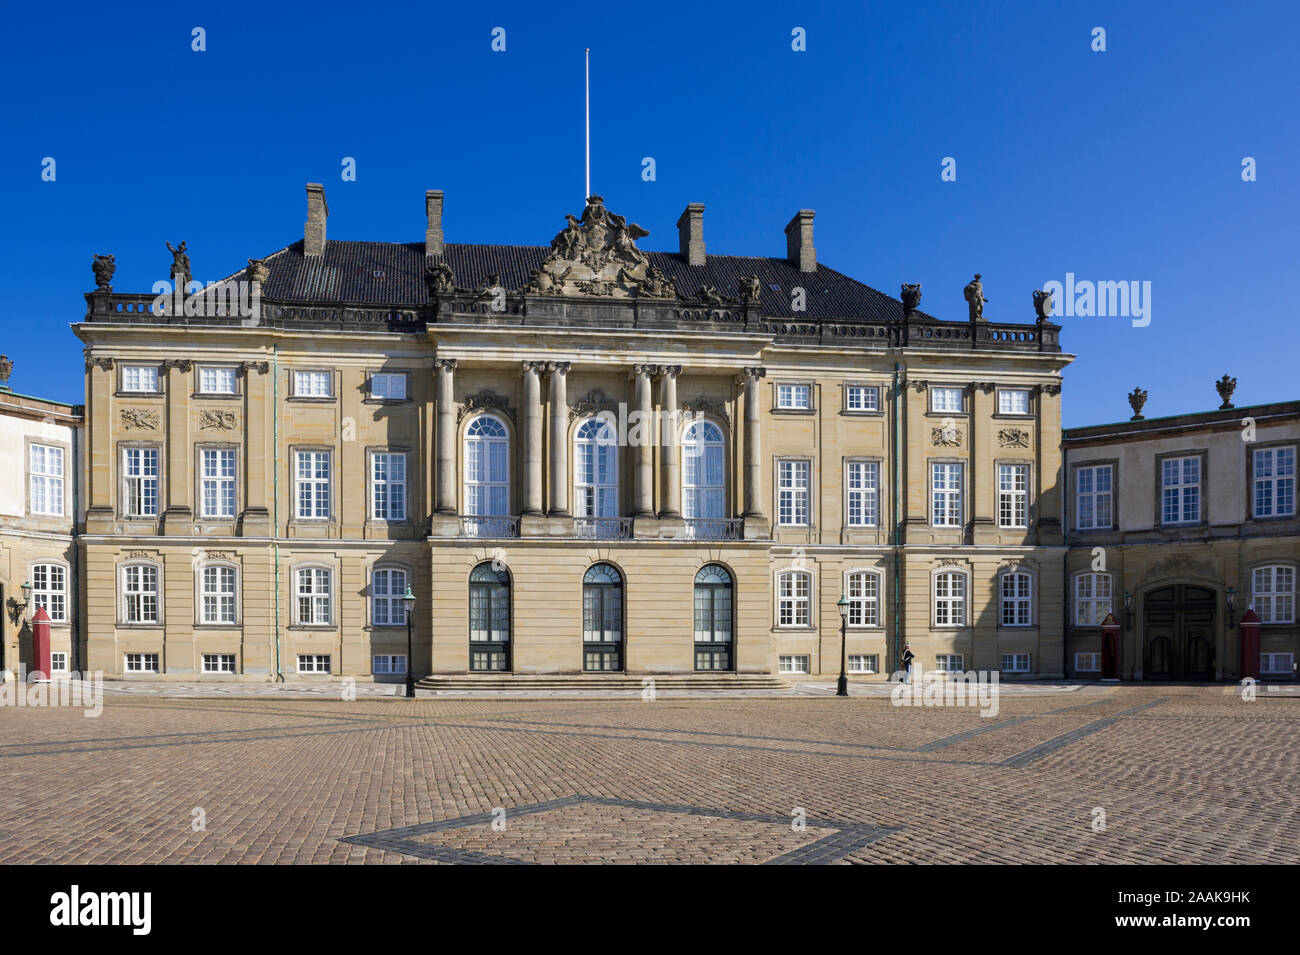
[1122, 165]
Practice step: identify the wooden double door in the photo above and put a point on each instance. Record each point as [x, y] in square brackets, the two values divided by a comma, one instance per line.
[1178, 633]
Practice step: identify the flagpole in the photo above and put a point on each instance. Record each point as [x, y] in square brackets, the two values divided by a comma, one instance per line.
[588, 94]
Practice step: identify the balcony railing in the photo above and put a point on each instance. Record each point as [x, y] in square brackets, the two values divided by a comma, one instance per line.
[494, 527]
[714, 529]
[603, 528]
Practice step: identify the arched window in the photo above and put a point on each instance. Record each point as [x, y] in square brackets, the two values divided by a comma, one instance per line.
[487, 468]
[863, 592]
[50, 590]
[714, 600]
[703, 480]
[793, 588]
[387, 587]
[218, 594]
[595, 470]
[1016, 600]
[950, 599]
[602, 618]
[1093, 599]
[313, 588]
[140, 592]
[489, 618]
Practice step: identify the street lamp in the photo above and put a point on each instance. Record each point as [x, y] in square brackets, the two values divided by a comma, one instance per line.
[1128, 610]
[408, 600]
[843, 605]
[1232, 599]
[16, 609]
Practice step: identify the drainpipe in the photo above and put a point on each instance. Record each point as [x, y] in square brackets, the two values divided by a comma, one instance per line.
[74, 575]
[275, 492]
[1065, 564]
[898, 515]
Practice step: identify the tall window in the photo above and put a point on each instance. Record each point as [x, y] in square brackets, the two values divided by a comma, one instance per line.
[140, 593]
[1272, 593]
[387, 587]
[1093, 501]
[46, 470]
[1013, 485]
[311, 384]
[50, 590]
[143, 378]
[950, 599]
[1013, 401]
[388, 486]
[1092, 599]
[703, 491]
[489, 618]
[487, 468]
[792, 493]
[1180, 490]
[313, 593]
[714, 600]
[945, 495]
[1017, 599]
[312, 472]
[602, 618]
[864, 599]
[945, 400]
[1275, 482]
[218, 594]
[217, 482]
[216, 380]
[863, 489]
[140, 472]
[792, 609]
[595, 474]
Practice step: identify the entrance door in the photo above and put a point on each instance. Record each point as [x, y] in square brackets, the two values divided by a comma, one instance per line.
[602, 619]
[1178, 633]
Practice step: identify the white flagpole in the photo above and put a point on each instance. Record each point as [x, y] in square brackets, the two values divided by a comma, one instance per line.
[588, 92]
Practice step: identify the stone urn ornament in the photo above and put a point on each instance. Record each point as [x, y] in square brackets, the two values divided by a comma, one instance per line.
[1137, 400]
[6, 369]
[103, 266]
[1225, 387]
[1043, 305]
[911, 296]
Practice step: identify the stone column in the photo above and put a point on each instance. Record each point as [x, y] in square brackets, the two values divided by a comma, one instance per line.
[753, 444]
[99, 445]
[533, 437]
[255, 519]
[446, 368]
[670, 442]
[559, 402]
[178, 517]
[645, 505]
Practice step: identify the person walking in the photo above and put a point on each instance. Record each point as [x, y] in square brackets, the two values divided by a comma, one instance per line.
[908, 657]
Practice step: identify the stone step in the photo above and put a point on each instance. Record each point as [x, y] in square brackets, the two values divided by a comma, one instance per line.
[603, 681]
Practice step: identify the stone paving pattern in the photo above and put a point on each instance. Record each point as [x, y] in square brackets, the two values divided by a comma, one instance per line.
[1184, 775]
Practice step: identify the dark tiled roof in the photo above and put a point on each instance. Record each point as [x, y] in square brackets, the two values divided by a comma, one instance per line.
[346, 273]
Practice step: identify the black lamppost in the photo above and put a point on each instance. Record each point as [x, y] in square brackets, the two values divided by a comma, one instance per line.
[1128, 610]
[1232, 600]
[408, 600]
[843, 605]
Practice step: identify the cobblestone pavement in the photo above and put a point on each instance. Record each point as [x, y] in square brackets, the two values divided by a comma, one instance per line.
[1182, 775]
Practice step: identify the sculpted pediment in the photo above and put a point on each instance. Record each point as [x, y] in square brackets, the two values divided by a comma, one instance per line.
[598, 255]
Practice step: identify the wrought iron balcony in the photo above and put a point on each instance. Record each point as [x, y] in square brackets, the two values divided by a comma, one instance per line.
[714, 529]
[603, 528]
[472, 525]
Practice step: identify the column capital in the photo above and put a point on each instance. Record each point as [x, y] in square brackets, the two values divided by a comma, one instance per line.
[261, 367]
[670, 371]
[181, 364]
[642, 369]
[534, 366]
[103, 363]
[558, 367]
[752, 373]
[448, 364]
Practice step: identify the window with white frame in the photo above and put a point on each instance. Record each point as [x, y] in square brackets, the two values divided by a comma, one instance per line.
[945, 400]
[217, 483]
[703, 472]
[45, 466]
[311, 384]
[1087, 663]
[487, 468]
[141, 663]
[218, 663]
[1274, 470]
[1093, 497]
[950, 662]
[1013, 401]
[388, 486]
[1272, 593]
[313, 663]
[861, 398]
[58, 662]
[792, 609]
[312, 485]
[1092, 599]
[864, 663]
[140, 593]
[385, 663]
[595, 470]
[1180, 490]
[1276, 664]
[217, 594]
[950, 599]
[945, 494]
[1017, 588]
[140, 378]
[1013, 495]
[863, 593]
[312, 588]
[792, 493]
[216, 380]
[388, 386]
[862, 486]
[1015, 662]
[387, 587]
[140, 482]
[792, 663]
[50, 590]
[796, 397]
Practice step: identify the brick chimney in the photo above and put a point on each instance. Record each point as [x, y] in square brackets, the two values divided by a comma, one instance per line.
[690, 233]
[433, 231]
[799, 241]
[313, 231]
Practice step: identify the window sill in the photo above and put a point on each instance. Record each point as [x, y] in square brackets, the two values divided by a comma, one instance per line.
[140, 626]
[198, 625]
[311, 399]
[387, 401]
[794, 411]
[314, 627]
[858, 413]
[136, 395]
[217, 395]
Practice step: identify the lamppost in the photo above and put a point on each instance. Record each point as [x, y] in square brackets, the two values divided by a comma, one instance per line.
[843, 605]
[16, 609]
[408, 600]
[1128, 610]
[1232, 599]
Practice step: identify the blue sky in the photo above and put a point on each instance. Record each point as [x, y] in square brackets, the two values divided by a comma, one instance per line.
[1123, 165]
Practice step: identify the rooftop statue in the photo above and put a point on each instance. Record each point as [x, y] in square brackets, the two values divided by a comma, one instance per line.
[181, 274]
[598, 255]
[975, 298]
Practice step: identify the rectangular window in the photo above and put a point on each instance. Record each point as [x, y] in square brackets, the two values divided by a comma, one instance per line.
[140, 590]
[140, 378]
[142, 663]
[863, 488]
[950, 599]
[1087, 663]
[1093, 501]
[864, 599]
[216, 380]
[313, 592]
[792, 663]
[218, 595]
[1013, 495]
[797, 397]
[945, 495]
[1180, 490]
[46, 469]
[945, 400]
[58, 662]
[218, 663]
[387, 586]
[1015, 662]
[311, 384]
[1092, 599]
[1276, 664]
[50, 590]
[312, 491]
[388, 386]
[313, 663]
[792, 487]
[1017, 600]
[388, 486]
[1013, 401]
[140, 471]
[1272, 593]
[950, 662]
[792, 600]
[864, 663]
[388, 663]
[1274, 482]
[217, 483]
[861, 398]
